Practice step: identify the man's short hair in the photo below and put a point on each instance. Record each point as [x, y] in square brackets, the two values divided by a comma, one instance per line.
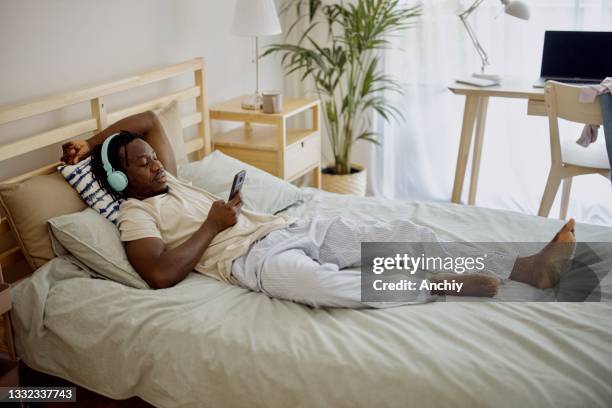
[122, 139]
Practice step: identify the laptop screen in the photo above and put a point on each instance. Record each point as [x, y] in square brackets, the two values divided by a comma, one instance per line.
[577, 55]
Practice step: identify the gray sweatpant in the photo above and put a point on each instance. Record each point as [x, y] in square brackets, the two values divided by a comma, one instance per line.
[305, 261]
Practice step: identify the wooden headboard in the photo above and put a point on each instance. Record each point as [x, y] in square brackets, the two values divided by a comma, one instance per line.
[100, 118]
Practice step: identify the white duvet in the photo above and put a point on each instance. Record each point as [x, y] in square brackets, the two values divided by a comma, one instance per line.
[205, 343]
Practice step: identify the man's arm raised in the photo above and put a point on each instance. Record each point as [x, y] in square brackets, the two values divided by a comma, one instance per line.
[146, 124]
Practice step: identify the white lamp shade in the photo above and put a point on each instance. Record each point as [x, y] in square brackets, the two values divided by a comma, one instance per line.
[517, 9]
[256, 18]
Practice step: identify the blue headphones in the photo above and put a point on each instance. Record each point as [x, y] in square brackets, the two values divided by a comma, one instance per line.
[116, 179]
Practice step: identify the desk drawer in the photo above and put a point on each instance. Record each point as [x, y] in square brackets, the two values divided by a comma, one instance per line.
[536, 108]
[301, 155]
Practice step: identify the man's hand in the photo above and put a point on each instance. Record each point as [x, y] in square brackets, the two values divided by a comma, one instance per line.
[162, 267]
[223, 215]
[75, 151]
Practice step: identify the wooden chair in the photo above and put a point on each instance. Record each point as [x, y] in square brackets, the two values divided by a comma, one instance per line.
[570, 159]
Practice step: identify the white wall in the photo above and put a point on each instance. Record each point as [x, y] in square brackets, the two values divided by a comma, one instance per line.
[52, 46]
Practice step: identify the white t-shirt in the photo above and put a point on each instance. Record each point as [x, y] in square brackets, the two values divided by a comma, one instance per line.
[175, 216]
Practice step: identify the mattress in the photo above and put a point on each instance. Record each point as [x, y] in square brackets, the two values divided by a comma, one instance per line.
[206, 343]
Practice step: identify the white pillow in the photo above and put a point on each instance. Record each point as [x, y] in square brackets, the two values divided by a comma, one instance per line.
[261, 192]
[81, 179]
[95, 242]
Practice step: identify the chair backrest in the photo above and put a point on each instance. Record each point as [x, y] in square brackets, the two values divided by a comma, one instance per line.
[562, 101]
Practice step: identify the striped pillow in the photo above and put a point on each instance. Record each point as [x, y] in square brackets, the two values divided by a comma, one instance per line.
[81, 179]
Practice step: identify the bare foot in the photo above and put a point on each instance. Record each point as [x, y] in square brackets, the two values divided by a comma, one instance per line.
[473, 284]
[543, 269]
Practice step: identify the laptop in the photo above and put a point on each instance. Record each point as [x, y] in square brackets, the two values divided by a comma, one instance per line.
[579, 57]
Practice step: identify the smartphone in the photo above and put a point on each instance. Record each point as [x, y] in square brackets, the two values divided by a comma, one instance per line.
[237, 183]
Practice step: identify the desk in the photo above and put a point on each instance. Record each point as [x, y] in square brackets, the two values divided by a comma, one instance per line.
[475, 113]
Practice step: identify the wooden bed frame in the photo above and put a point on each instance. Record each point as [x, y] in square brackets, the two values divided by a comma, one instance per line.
[100, 118]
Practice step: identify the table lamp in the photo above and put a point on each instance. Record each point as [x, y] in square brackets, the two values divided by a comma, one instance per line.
[255, 18]
[515, 8]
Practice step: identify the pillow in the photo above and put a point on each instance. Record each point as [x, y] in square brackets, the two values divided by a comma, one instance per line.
[95, 242]
[80, 177]
[170, 118]
[29, 204]
[261, 192]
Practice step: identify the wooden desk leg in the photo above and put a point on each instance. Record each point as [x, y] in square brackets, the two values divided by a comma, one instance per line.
[467, 130]
[481, 119]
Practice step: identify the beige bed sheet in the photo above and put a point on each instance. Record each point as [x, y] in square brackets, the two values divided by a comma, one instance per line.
[205, 343]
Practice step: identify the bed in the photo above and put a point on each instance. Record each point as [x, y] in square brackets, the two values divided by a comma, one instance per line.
[206, 343]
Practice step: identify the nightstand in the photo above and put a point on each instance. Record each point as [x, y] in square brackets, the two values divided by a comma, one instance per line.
[267, 142]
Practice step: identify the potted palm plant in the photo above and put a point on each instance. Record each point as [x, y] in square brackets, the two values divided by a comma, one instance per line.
[344, 68]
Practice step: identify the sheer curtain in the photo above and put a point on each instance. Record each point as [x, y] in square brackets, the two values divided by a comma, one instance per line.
[418, 156]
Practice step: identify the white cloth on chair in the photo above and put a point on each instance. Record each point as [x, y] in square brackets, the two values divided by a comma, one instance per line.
[588, 94]
[588, 135]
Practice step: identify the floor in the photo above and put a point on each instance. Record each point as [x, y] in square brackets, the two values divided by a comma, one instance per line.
[85, 398]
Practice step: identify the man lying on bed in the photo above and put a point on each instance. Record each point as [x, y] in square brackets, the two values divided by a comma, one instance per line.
[171, 228]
